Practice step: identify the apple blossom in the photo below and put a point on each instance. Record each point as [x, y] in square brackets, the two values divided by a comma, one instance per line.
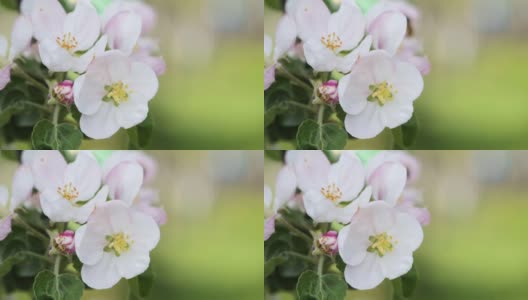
[379, 93]
[20, 40]
[65, 242]
[114, 244]
[328, 92]
[149, 165]
[114, 93]
[378, 244]
[63, 92]
[6, 215]
[67, 42]
[285, 37]
[285, 186]
[410, 163]
[332, 193]
[327, 243]
[74, 190]
[146, 13]
[411, 203]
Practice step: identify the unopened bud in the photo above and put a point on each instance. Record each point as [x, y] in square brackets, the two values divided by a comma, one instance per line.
[327, 243]
[65, 242]
[329, 93]
[63, 92]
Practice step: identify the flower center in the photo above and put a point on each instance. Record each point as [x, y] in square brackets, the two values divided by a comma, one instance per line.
[117, 93]
[332, 41]
[68, 42]
[332, 192]
[381, 244]
[382, 93]
[68, 192]
[118, 243]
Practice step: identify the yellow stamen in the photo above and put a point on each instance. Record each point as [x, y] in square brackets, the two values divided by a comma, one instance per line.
[381, 244]
[117, 92]
[332, 41]
[68, 42]
[118, 243]
[382, 93]
[332, 192]
[68, 192]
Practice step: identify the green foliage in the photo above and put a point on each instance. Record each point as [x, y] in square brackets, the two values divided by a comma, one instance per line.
[141, 286]
[405, 286]
[275, 4]
[57, 287]
[405, 135]
[366, 5]
[47, 136]
[10, 4]
[140, 136]
[312, 135]
[321, 287]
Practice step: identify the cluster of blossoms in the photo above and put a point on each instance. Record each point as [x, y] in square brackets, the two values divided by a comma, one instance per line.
[100, 62]
[363, 211]
[99, 211]
[364, 60]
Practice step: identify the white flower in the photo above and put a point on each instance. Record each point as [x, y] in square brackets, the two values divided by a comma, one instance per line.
[114, 244]
[378, 93]
[410, 163]
[331, 40]
[149, 165]
[20, 40]
[378, 244]
[331, 192]
[285, 37]
[71, 192]
[285, 187]
[66, 41]
[114, 93]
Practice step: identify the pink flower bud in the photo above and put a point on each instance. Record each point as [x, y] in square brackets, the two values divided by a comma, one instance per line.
[328, 243]
[328, 92]
[65, 242]
[63, 92]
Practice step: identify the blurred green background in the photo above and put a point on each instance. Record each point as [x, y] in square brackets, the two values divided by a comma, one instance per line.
[211, 246]
[476, 96]
[208, 98]
[475, 247]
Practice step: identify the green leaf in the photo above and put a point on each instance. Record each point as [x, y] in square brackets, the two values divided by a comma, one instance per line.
[366, 5]
[47, 136]
[276, 155]
[327, 137]
[10, 262]
[275, 4]
[272, 264]
[139, 137]
[63, 287]
[405, 286]
[405, 135]
[325, 287]
[10, 4]
[141, 286]
[272, 113]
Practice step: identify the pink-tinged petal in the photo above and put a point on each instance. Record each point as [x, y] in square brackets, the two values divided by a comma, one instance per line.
[48, 18]
[20, 36]
[133, 262]
[156, 63]
[84, 24]
[347, 63]
[285, 36]
[101, 125]
[22, 186]
[82, 214]
[388, 31]
[123, 31]
[312, 169]
[143, 229]
[269, 76]
[85, 175]
[87, 58]
[311, 17]
[408, 82]
[320, 58]
[103, 274]
[5, 76]
[353, 92]
[157, 213]
[125, 181]
[149, 165]
[407, 231]
[388, 182]
[48, 169]
[366, 275]
[349, 24]
[285, 186]
[411, 164]
[422, 63]
[55, 58]
[143, 81]
[5, 227]
[88, 94]
[349, 175]
[269, 227]
[366, 125]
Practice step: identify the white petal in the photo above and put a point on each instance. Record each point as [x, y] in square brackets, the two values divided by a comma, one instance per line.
[353, 243]
[312, 18]
[269, 227]
[48, 169]
[285, 186]
[268, 46]
[395, 114]
[268, 197]
[143, 81]
[395, 264]
[56, 208]
[133, 262]
[347, 63]
[20, 37]
[102, 275]
[85, 175]
[311, 169]
[408, 82]
[320, 58]
[125, 181]
[366, 125]
[87, 58]
[89, 247]
[82, 214]
[4, 196]
[365, 276]
[143, 230]
[388, 182]
[22, 186]
[4, 46]
[5, 227]
[123, 31]
[84, 24]
[349, 24]
[349, 175]
[388, 31]
[55, 58]
[5, 76]
[88, 94]
[408, 232]
[48, 18]
[101, 125]
[285, 36]
[132, 112]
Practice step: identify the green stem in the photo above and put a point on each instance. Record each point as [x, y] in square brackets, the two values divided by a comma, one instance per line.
[56, 270]
[56, 115]
[320, 265]
[20, 72]
[37, 256]
[300, 256]
[32, 230]
[38, 106]
[320, 117]
[294, 229]
[295, 80]
[300, 105]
